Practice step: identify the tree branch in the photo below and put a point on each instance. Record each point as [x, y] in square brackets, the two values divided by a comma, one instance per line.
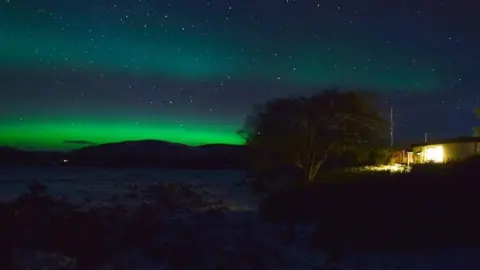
[298, 162]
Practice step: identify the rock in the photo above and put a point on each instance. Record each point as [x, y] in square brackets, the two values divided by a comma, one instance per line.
[44, 260]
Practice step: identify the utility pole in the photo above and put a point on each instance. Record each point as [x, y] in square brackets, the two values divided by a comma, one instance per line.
[391, 127]
[426, 137]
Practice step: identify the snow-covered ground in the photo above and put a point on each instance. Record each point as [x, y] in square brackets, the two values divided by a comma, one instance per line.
[95, 186]
[238, 235]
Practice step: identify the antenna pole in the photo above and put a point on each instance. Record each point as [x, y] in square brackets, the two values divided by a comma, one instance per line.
[391, 127]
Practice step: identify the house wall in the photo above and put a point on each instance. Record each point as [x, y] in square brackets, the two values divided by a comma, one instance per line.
[399, 157]
[451, 151]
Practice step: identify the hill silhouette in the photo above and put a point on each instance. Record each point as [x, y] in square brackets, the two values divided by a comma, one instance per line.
[155, 153]
[145, 153]
[10, 156]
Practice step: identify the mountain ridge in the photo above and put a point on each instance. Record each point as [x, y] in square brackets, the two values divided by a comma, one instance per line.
[141, 153]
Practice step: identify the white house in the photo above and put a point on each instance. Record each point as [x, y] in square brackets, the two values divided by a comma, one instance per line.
[445, 150]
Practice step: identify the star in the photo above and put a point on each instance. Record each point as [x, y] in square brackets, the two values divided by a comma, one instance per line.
[205, 64]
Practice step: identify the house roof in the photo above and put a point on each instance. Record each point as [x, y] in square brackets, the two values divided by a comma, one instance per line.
[450, 140]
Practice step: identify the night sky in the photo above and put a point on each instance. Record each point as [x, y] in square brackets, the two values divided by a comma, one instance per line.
[188, 71]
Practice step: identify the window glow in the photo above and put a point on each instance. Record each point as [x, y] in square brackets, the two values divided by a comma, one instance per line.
[434, 154]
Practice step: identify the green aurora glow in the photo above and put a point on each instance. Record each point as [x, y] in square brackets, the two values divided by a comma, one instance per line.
[51, 134]
[38, 42]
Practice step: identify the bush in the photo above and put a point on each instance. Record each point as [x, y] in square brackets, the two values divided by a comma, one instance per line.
[434, 205]
[36, 223]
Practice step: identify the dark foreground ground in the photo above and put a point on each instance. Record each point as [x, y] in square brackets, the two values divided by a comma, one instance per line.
[155, 220]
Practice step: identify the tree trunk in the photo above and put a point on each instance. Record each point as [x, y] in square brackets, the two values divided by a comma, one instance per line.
[310, 168]
[313, 169]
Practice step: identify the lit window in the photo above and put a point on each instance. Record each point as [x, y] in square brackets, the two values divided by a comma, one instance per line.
[434, 154]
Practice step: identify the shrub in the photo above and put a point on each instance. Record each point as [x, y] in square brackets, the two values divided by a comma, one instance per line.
[95, 237]
[433, 205]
